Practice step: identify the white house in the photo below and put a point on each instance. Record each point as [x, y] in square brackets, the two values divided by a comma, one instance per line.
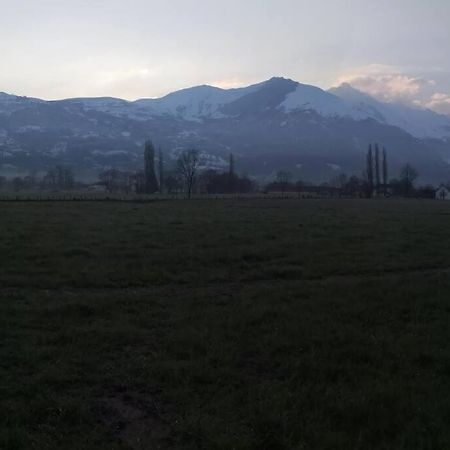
[443, 193]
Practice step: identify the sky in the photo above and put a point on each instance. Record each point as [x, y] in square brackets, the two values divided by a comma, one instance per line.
[396, 50]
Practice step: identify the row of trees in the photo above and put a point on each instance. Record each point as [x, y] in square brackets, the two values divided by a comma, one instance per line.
[377, 175]
[374, 181]
[56, 178]
[187, 175]
[377, 171]
[184, 176]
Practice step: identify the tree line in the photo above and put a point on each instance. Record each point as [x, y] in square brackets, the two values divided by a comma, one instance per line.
[374, 181]
[59, 178]
[186, 176]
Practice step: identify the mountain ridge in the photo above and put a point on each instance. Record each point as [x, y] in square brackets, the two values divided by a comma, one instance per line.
[270, 125]
[206, 101]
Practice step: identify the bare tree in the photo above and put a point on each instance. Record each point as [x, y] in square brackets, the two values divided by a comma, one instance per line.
[283, 180]
[408, 176]
[59, 177]
[108, 179]
[187, 166]
[339, 181]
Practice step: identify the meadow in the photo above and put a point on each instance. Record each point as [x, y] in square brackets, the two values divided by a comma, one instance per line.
[225, 324]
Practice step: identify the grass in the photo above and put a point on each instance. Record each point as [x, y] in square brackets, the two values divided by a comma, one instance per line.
[225, 324]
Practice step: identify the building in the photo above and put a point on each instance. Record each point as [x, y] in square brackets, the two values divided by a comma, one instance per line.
[443, 193]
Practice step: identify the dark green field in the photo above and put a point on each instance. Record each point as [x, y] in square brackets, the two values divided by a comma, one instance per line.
[225, 325]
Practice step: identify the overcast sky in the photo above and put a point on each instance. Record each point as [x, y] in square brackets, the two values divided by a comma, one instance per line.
[395, 49]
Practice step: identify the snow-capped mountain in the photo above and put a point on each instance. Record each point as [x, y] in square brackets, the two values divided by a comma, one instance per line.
[419, 122]
[194, 103]
[208, 102]
[275, 124]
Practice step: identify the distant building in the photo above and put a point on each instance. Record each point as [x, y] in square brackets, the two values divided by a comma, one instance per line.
[443, 193]
[96, 187]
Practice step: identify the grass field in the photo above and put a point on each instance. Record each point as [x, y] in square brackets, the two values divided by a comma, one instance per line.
[245, 324]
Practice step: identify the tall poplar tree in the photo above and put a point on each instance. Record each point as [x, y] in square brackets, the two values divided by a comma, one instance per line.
[161, 170]
[385, 171]
[377, 169]
[369, 171]
[150, 183]
[231, 175]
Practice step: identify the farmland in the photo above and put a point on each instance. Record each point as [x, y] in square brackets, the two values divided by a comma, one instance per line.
[225, 324]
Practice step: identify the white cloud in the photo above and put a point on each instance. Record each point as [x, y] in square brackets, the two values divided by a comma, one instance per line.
[230, 83]
[439, 102]
[391, 84]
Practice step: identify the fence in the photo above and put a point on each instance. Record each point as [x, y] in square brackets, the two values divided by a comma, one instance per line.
[141, 198]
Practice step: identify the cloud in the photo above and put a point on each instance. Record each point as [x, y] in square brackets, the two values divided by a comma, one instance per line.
[391, 84]
[230, 83]
[386, 83]
[439, 102]
[390, 87]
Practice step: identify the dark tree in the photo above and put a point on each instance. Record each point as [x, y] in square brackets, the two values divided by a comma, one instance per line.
[354, 187]
[151, 183]
[173, 184]
[214, 182]
[110, 180]
[408, 176]
[18, 183]
[377, 170]
[161, 171]
[187, 165]
[231, 175]
[339, 181]
[369, 170]
[385, 172]
[59, 177]
[138, 182]
[283, 180]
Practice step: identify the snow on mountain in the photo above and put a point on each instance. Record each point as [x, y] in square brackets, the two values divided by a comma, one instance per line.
[114, 106]
[103, 104]
[208, 102]
[12, 103]
[278, 94]
[306, 98]
[193, 103]
[419, 122]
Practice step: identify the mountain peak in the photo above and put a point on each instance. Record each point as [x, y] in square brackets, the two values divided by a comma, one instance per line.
[281, 81]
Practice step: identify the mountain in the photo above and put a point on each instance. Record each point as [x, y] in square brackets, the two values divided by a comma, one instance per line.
[419, 122]
[273, 125]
